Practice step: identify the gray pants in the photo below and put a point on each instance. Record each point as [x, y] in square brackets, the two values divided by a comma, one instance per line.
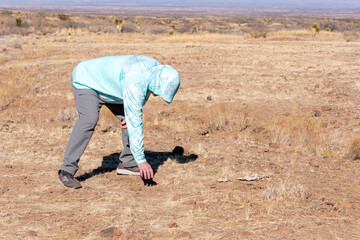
[88, 104]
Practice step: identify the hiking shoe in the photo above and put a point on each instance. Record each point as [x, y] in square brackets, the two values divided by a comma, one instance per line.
[121, 170]
[68, 179]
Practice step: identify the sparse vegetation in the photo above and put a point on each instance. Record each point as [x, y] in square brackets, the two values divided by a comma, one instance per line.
[354, 151]
[63, 17]
[256, 27]
[268, 106]
[18, 22]
[350, 36]
[316, 29]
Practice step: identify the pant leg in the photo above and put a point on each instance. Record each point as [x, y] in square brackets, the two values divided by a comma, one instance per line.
[88, 105]
[126, 157]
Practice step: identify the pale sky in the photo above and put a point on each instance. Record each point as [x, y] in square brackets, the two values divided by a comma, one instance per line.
[352, 4]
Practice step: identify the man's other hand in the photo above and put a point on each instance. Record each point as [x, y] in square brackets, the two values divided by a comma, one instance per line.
[123, 124]
[146, 170]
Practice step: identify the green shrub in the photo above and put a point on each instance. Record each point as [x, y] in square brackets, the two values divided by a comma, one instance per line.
[316, 27]
[18, 22]
[329, 28]
[118, 21]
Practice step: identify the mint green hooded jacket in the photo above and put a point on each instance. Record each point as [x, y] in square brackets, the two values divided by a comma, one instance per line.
[128, 80]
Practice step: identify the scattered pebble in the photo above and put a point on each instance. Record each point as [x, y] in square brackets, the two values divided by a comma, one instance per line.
[274, 145]
[222, 180]
[107, 232]
[254, 177]
[173, 225]
[326, 108]
[117, 232]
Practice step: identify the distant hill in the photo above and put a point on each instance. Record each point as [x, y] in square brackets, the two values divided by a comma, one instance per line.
[324, 4]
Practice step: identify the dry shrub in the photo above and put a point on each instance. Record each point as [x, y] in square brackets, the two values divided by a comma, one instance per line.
[328, 153]
[213, 118]
[13, 43]
[297, 131]
[69, 114]
[350, 36]
[285, 192]
[184, 117]
[159, 30]
[259, 33]
[129, 27]
[354, 149]
[8, 93]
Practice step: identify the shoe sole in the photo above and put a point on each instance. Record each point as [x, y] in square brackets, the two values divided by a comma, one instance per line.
[74, 186]
[126, 172]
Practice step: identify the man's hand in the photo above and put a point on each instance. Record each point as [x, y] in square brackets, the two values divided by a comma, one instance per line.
[123, 124]
[146, 170]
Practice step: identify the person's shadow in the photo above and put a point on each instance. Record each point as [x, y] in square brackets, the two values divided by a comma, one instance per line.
[155, 159]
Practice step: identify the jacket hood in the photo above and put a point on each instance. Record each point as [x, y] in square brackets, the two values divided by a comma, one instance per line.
[164, 82]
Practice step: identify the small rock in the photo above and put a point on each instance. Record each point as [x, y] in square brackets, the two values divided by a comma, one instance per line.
[326, 108]
[222, 180]
[274, 145]
[347, 204]
[117, 232]
[253, 177]
[109, 129]
[258, 129]
[108, 232]
[173, 225]
[209, 97]
[317, 113]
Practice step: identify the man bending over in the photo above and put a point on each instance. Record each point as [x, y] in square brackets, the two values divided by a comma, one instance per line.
[123, 84]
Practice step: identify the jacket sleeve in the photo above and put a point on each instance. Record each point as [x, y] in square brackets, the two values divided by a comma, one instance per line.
[134, 98]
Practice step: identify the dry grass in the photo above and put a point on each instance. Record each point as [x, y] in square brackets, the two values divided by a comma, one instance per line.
[296, 131]
[285, 192]
[354, 149]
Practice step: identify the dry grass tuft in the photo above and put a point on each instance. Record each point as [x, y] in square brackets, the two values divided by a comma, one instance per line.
[285, 192]
[213, 118]
[328, 153]
[297, 131]
[68, 114]
[350, 36]
[354, 150]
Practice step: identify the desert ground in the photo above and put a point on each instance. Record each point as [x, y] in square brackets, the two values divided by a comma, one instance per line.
[284, 108]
